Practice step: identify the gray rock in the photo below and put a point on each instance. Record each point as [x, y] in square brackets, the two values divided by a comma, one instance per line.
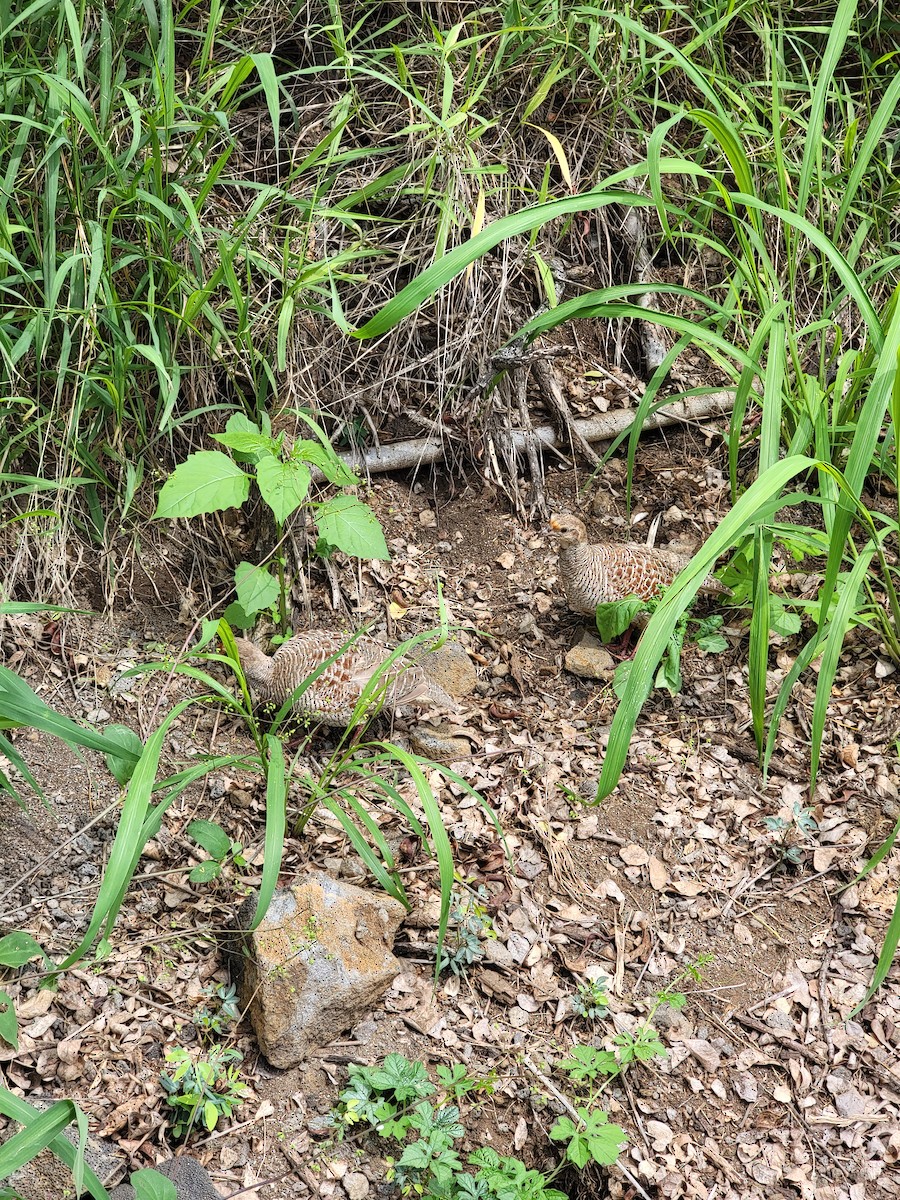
[449, 667]
[590, 660]
[192, 1182]
[441, 743]
[318, 961]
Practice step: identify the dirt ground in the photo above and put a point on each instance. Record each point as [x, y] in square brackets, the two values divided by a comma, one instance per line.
[767, 1088]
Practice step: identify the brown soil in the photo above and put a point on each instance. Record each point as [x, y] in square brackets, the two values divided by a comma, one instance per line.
[767, 1090]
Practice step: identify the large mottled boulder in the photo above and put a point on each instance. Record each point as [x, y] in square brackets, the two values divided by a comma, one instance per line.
[318, 961]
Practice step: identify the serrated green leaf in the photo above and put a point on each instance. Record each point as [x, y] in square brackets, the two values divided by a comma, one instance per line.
[333, 468]
[712, 643]
[246, 441]
[283, 485]
[351, 526]
[9, 1026]
[256, 589]
[239, 423]
[205, 482]
[210, 836]
[786, 623]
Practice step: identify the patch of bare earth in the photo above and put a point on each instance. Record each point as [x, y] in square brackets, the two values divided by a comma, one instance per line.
[768, 1089]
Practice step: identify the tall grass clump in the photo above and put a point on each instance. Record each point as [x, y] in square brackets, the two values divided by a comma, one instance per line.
[770, 164]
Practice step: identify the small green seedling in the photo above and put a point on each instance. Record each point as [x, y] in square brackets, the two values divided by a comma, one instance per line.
[212, 1021]
[469, 925]
[202, 1089]
[591, 1000]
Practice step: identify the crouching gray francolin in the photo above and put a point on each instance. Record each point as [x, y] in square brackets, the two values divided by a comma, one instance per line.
[606, 572]
[332, 697]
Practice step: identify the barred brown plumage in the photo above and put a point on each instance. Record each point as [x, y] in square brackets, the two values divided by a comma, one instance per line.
[332, 697]
[602, 573]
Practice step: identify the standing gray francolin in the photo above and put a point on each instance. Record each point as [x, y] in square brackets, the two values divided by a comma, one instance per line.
[603, 573]
[333, 695]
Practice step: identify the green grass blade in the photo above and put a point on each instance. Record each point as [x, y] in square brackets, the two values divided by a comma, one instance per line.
[276, 823]
[25, 1114]
[433, 278]
[656, 636]
[130, 838]
[838, 624]
[811, 167]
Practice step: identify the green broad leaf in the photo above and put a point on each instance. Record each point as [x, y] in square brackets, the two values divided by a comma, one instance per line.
[247, 442]
[205, 872]
[123, 768]
[9, 1026]
[604, 1141]
[256, 589]
[205, 482]
[351, 526]
[239, 423]
[235, 615]
[563, 1130]
[669, 673]
[333, 468]
[210, 1115]
[283, 485]
[18, 948]
[150, 1185]
[784, 622]
[613, 619]
[712, 643]
[210, 836]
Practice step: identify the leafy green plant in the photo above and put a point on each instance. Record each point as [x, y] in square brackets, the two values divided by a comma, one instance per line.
[792, 833]
[586, 1131]
[212, 1020]
[208, 481]
[591, 999]
[392, 1100]
[202, 1088]
[615, 618]
[469, 925]
[216, 842]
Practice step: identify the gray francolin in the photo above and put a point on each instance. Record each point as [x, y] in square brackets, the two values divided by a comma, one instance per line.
[606, 572]
[332, 697]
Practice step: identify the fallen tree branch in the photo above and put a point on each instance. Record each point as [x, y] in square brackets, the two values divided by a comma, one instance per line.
[419, 452]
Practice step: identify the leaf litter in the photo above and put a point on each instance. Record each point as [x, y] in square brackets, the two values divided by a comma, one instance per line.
[768, 1087]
